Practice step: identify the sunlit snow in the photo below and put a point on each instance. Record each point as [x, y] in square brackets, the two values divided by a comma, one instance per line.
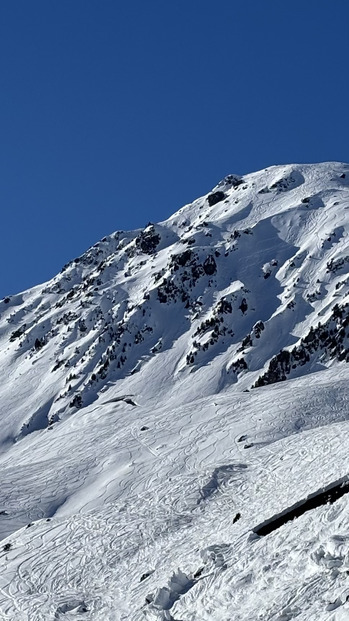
[169, 392]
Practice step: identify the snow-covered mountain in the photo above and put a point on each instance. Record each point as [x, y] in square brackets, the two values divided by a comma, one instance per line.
[174, 415]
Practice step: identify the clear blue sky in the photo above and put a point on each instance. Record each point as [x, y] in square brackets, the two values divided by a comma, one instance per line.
[116, 113]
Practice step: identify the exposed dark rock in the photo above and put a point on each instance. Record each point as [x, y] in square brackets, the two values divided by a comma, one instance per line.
[329, 339]
[239, 365]
[284, 184]
[258, 328]
[58, 364]
[162, 296]
[324, 496]
[39, 343]
[231, 181]
[67, 318]
[198, 572]
[18, 333]
[223, 307]
[210, 266]
[215, 197]
[76, 402]
[243, 306]
[148, 240]
[146, 575]
[335, 264]
[181, 259]
[246, 342]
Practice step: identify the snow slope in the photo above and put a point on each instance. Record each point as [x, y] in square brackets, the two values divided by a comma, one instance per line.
[169, 392]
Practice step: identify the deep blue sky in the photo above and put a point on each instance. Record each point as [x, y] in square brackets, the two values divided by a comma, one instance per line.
[116, 113]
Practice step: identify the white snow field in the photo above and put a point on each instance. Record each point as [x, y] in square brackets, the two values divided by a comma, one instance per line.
[175, 415]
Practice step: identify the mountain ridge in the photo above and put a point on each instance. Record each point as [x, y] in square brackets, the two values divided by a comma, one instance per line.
[102, 287]
[172, 372]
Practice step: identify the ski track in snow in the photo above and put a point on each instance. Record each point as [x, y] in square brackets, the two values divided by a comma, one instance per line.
[162, 506]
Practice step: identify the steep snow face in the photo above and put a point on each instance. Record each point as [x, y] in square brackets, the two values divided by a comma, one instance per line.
[142, 411]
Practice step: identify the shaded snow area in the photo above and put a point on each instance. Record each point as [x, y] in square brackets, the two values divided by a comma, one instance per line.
[175, 415]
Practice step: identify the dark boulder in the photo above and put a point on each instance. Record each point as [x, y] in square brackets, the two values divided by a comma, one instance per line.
[243, 306]
[210, 266]
[215, 197]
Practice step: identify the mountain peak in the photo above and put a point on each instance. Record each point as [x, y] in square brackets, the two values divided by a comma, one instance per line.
[198, 326]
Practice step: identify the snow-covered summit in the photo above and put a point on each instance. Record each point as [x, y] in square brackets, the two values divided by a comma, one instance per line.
[141, 392]
[267, 250]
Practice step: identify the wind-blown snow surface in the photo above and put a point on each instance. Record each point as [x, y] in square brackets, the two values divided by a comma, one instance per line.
[166, 394]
